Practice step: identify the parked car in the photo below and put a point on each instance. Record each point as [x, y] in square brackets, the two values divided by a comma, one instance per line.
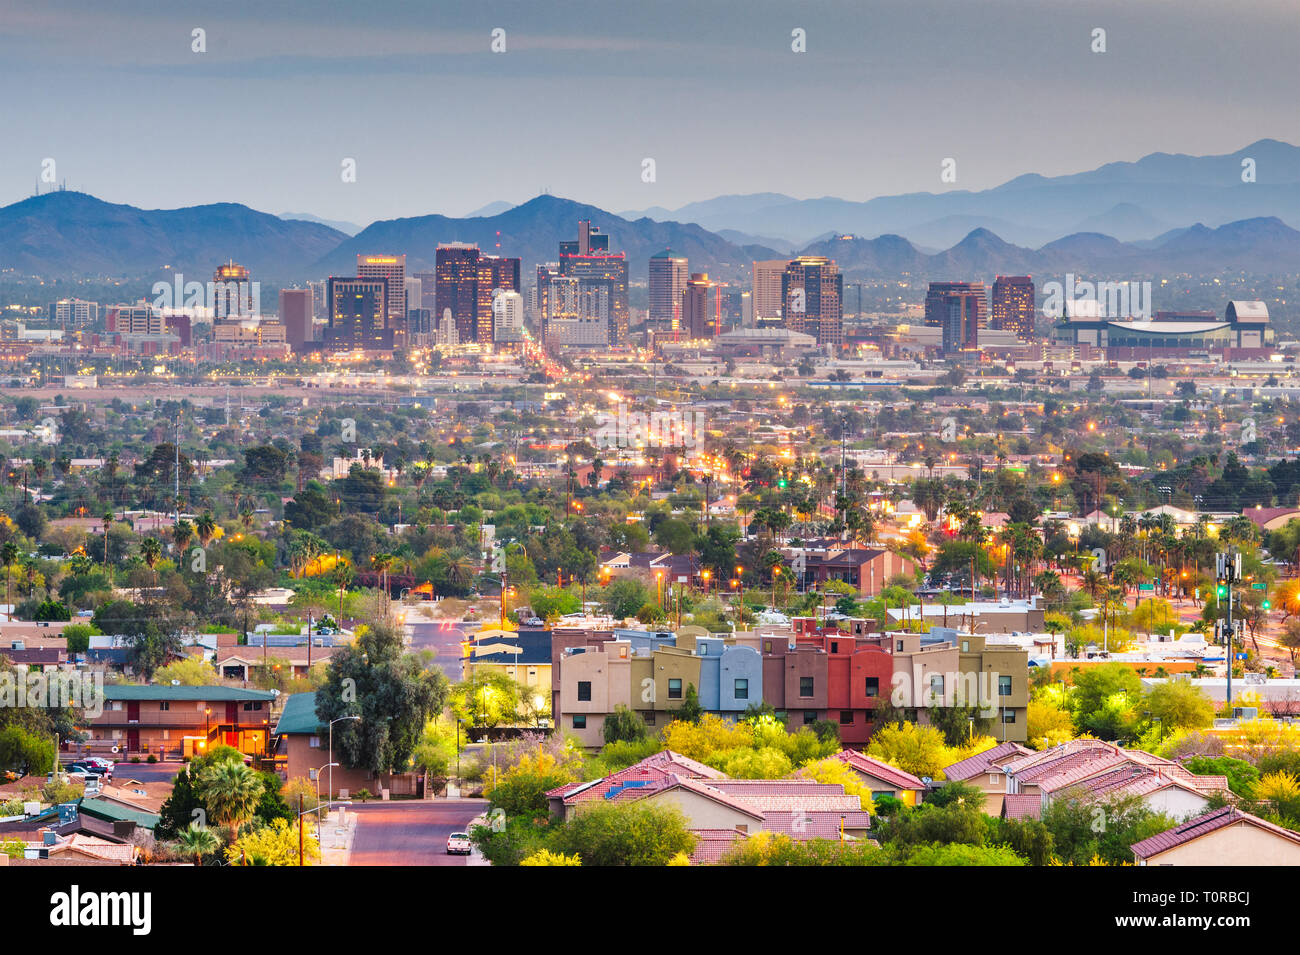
[91, 769]
[534, 622]
[98, 761]
[458, 844]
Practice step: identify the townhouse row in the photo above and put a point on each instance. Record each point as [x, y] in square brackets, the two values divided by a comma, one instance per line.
[807, 677]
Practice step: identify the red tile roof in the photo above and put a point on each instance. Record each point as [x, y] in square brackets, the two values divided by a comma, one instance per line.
[976, 765]
[1203, 825]
[712, 844]
[862, 763]
[1022, 806]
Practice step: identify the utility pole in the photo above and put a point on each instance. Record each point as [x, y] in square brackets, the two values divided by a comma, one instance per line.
[176, 447]
[1229, 570]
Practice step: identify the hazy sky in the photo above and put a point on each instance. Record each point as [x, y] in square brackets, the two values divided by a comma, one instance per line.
[586, 90]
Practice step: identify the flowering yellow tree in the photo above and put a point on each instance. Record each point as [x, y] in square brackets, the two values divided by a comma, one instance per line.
[276, 844]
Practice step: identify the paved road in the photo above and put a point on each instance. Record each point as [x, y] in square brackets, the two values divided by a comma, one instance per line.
[410, 832]
[444, 638]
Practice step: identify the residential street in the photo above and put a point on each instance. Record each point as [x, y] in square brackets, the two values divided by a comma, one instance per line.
[411, 832]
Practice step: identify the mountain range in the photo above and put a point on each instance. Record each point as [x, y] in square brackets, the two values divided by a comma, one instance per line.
[1127, 200]
[1159, 216]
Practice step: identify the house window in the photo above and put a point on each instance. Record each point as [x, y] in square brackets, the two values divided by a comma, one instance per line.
[674, 689]
[965, 646]
[846, 717]
[579, 721]
[256, 705]
[900, 646]
[1008, 715]
[873, 686]
[936, 685]
[809, 716]
[835, 646]
[742, 689]
[909, 716]
[649, 717]
[995, 779]
[584, 691]
[1004, 686]
[767, 646]
[805, 686]
[164, 705]
[313, 742]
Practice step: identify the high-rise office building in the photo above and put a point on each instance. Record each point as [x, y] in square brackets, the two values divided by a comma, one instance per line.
[589, 260]
[768, 298]
[1013, 305]
[668, 276]
[508, 317]
[358, 313]
[812, 296]
[701, 307]
[233, 292]
[414, 293]
[138, 319]
[465, 280]
[73, 313]
[960, 309]
[456, 272]
[295, 315]
[393, 269]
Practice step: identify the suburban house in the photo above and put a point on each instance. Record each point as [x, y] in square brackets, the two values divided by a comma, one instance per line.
[867, 570]
[1227, 837]
[242, 662]
[884, 779]
[302, 751]
[721, 810]
[985, 771]
[1096, 771]
[180, 720]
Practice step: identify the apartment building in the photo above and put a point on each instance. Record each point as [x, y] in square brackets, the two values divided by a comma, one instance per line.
[180, 720]
[808, 677]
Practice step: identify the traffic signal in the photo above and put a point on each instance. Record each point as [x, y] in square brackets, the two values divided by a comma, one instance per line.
[1222, 591]
[1266, 604]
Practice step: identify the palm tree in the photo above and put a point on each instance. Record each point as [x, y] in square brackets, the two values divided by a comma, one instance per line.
[197, 841]
[9, 553]
[151, 550]
[231, 792]
[107, 521]
[206, 526]
[182, 533]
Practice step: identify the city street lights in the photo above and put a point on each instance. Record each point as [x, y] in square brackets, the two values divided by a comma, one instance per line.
[331, 763]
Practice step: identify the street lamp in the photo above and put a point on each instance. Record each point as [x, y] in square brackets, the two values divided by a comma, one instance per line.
[331, 763]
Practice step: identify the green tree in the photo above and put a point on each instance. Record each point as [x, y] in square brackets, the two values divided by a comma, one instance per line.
[393, 692]
[231, 792]
[195, 842]
[624, 725]
[624, 834]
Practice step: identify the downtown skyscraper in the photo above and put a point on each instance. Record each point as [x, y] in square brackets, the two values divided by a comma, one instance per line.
[812, 293]
[1013, 305]
[667, 281]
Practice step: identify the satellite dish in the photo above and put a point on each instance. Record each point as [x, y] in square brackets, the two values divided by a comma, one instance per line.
[927, 780]
[115, 749]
